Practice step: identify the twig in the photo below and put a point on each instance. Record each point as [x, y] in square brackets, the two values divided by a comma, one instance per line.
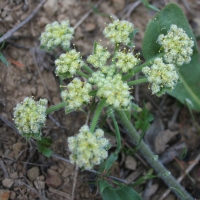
[86, 15]
[195, 162]
[6, 175]
[13, 30]
[33, 53]
[74, 182]
[130, 9]
[89, 170]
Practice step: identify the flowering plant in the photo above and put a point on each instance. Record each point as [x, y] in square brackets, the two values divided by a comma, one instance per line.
[107, 78]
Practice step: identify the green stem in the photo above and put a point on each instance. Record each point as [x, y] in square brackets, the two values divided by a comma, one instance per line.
[82, 74]
[97, 115]
[116, 49]
[56, 107]
[118, 136]
[150, 157]
[139, 68]
[88, 69]
[138, 81]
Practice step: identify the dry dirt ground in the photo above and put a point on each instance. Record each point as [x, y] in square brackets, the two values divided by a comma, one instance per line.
[27, 174]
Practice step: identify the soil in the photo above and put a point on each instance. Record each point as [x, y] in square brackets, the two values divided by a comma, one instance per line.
[24, 172]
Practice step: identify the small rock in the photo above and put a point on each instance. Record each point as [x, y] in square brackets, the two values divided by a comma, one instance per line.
[41, 178]
[14, 175]
[17, 149]
[8, 19]
[69, 170]
[43, 21]
[33, 173]
[40, 90]
[90, 27]
[54, 167]
[61, 167]
[118, 4]
[51, 7]
[12, 195]
[53, 179]
[39, 184]
[4, 194]
[33, 91]
[130, 163]
[7, 182]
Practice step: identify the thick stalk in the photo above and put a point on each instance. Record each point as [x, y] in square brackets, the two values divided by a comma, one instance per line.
[97, 115]
[138, 81]
[151, 158]
[118, 136]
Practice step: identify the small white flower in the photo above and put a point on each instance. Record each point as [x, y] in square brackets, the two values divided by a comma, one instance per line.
[30, 116]
[163, 77]
[88, 149]
[68, 63]
[119, 32]
[177, 46]
[56, 34]
[77, 94]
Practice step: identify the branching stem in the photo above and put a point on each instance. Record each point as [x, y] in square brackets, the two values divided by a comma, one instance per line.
[146, 152]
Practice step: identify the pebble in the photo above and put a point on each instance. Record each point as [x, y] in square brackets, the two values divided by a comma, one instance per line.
[4, 194]
[90, 27]
[14, 175]
[33, 173]
[53, 179]
[39, 184]
[130, 163]
[51, 7]
[17, 149]
[7, 182]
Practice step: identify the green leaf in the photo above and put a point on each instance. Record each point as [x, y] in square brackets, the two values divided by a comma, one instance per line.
[43, 146]
[3, 59]
[110, 161]
[128, 193]
[188, 88]
[102, 185]
[120, 193]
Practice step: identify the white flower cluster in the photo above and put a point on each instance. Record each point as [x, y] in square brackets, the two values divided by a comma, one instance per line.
[177, 46]
[68, 63]
[30, 116]
[112, 88]
[88, 149]
[77, 94]
[126, 61]
[100, 56]
[161, 76]
[57, 34]
[119, 32]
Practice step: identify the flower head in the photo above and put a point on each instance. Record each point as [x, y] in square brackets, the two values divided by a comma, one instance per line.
[68, 63]
[177, 46]
[88, 149]
[161, 76]
[30, 116]
[119, 32]
[112, 88]
[100, 56]
[126, 61]
[77, 94]
[57, 34]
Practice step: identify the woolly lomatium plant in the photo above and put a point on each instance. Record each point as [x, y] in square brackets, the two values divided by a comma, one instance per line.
[107, 79]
